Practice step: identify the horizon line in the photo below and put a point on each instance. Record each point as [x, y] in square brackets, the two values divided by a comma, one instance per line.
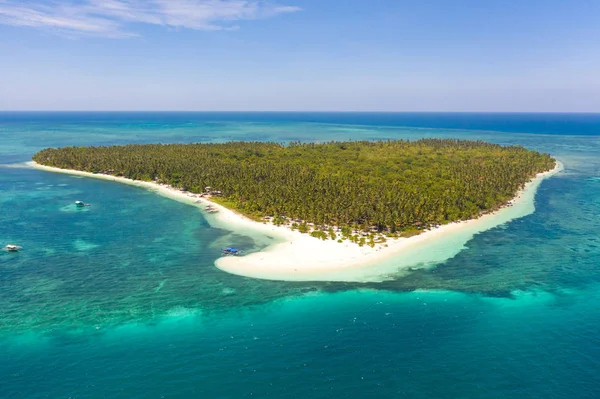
[300, 111]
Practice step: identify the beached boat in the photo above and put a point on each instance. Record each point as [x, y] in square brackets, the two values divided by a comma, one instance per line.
[231, 251]
[12, 248]
[211, 209]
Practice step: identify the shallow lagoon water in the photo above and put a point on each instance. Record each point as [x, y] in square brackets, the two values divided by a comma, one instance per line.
[121, 299]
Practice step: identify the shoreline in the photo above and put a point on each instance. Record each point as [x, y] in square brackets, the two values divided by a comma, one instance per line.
[300, 257]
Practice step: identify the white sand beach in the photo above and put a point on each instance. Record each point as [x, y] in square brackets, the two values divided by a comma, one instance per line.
[300, 257]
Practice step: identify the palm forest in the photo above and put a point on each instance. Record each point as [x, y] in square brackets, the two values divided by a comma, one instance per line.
[358, 190]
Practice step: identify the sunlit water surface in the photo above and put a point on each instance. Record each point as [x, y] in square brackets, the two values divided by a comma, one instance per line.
[122, 300]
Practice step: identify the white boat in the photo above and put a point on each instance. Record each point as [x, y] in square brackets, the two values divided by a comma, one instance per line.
[12, 248]
[211, 209]
[81, 203]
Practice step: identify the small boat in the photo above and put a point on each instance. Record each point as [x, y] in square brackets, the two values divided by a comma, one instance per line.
[211, 209]
[231, 251]
[81, 204]
[12, 248]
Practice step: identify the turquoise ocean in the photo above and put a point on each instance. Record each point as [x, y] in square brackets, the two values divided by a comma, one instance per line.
[122, 299]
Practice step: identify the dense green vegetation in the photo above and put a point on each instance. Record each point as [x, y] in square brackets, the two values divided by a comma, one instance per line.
[388, 186]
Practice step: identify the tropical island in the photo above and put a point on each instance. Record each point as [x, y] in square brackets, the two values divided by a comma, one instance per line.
[358, 193]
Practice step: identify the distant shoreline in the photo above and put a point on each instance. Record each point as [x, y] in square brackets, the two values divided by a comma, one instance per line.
[300, 257]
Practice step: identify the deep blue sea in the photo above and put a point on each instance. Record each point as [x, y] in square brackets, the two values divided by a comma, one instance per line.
[122, 300]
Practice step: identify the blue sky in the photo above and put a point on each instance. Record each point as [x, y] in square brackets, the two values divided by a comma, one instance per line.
[328, 55]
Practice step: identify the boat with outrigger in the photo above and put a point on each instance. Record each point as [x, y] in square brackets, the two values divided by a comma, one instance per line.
[211, 209]
[231, 252]
[12, 248]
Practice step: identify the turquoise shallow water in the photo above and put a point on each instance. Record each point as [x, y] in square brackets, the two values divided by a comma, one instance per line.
[121, 300]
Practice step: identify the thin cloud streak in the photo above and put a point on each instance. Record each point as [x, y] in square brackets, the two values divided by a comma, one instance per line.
[112, 18]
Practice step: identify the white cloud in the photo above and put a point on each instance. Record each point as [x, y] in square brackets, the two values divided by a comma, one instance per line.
[114, 18]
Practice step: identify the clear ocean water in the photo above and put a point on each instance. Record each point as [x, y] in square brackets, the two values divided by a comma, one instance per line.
[121, 300]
